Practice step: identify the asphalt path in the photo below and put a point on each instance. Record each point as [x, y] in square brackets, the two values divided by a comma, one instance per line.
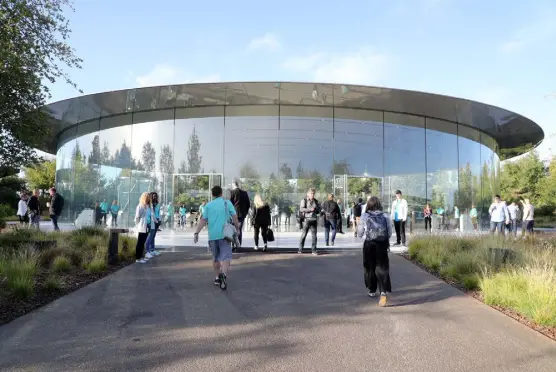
[281, 312]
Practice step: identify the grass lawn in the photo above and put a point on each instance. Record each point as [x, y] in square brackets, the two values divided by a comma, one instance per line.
[37, 267]
[524, 283]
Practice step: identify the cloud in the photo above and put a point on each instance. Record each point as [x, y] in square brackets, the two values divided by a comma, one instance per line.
[363, 66]
[538, 32]
[163, 74]
[266, 42]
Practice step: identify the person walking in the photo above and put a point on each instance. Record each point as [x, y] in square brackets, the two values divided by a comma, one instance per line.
[104, 208]
[528, 217]
[512, 210]
[141, 227]
[153, 221]
[183, 213]
[427, 213]
[56, 206]
[34, 209]
[456, 218]
[22, 209]
[216, 214]
[331, 216]
[498, 215]
[357, 209]
[261, 221]
[376, 226]
[399, 215]
[310, 210]
[240, 201]
[114, 209]
[473, 215]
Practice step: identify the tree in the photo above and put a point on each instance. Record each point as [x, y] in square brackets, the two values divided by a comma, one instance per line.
[41, 175]
[286, 171]
[520, 179]
[194, 159]
[166, 160]
[148, 157]
[299, 171]
[33, 50]
[10, 184]
[105, 158]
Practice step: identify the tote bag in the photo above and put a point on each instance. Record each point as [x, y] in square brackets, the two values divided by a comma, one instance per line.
[228, 231]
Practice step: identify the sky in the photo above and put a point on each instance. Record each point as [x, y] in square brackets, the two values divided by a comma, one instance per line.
[498, 52]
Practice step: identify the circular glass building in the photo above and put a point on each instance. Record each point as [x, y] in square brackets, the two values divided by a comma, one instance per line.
[279, 139]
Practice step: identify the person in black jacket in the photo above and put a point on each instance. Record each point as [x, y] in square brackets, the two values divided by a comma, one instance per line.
[261, 220]
[309, 210]
[357, 209]
[331, 217]
[34, 208]
[55, 209]
[240, 200]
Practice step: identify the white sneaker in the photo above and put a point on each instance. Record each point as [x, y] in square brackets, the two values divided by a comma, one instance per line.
[149, 255]
[156, 253]
[256, 248]
[141, 261]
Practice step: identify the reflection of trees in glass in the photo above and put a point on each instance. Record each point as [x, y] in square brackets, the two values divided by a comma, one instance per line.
[194, 158]
[247, 170]
[299, 171]
[87, 180]
[166, 160]
[341, 167]
[105, 157]
[94, 156]
[361, 187]
[148, 156]
[467, 191]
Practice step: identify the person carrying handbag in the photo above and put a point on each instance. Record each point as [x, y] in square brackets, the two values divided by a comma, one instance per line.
[217, 215]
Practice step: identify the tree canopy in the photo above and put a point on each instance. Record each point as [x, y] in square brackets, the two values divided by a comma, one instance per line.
[33, 51]
[41, 175]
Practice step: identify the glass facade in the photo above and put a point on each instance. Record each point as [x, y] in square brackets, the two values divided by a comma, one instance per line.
[278, 151]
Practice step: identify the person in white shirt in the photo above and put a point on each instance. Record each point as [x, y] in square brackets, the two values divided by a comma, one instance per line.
[399, 215]
[22, 209]
[528, 217]
[498, 215]
[512, 210]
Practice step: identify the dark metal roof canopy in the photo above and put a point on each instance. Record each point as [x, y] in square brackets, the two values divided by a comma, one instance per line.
[511, 131]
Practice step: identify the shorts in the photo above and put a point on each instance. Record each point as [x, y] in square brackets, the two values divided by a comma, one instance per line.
[221, 250]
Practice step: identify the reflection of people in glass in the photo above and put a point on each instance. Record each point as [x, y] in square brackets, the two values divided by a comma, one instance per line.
[98, 214]
[331, 215]
[440, 213]
[183, 212]
[399, 215]
[456, 217]
[356, 214]
[473, 215]
[261, 220]
[114, 209]
[309, 209]
[104, 209]
[170, 214]
[427, 213]
[498, 215]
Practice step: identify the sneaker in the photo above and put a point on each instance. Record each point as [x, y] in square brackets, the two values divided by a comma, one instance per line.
[327, 244]
[383, 300]
[256, 248]
[299, 252]
[223, 282]
[149, 255]
[141, 261]
[217, 281]
[265, 247]
[315, 254]
[372, 294]
[155, 253]
[332, 243]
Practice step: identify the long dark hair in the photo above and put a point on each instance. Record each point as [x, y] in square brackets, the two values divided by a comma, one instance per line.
[373, 204]
[154, 198]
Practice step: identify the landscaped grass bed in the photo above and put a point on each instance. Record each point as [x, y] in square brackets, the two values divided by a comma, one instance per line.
[518, 275]
[37, 267]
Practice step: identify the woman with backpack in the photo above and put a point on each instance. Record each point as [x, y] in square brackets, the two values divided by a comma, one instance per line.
[377, 227]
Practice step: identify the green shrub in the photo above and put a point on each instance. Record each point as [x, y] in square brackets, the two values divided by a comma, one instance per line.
[22, 287]
[19, 270]
[96, 266]
[126, 249]
[91, 231]
[48, 256]
[61, 264]
[470, 281]
[53, 283]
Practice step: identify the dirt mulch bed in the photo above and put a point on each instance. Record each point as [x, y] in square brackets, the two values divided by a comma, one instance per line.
[12, 307]
[549, 332]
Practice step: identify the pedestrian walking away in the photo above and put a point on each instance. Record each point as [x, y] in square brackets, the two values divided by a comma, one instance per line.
[332, 217]
[261, 221]
[217, 215]
[376, 227]
[56, 206]
[241, 203]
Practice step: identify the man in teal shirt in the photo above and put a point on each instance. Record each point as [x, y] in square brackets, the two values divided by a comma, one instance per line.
[216, 214]
[104, 209]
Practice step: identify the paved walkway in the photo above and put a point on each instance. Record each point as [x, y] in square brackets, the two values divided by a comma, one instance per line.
[282, 312]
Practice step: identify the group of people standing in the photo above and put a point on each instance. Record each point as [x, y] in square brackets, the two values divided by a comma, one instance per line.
[505, 217]
[29, 209]
[102, 210]
[147, 222]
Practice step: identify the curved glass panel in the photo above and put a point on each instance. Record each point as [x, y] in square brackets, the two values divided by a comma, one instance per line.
[469, 150]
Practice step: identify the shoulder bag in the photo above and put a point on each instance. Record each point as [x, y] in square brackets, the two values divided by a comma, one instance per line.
[228, 231]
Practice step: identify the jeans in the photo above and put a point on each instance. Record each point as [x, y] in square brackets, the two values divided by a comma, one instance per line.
[328, 224]
[140, 247]
[513, 226]
[150, 240]
[377, 266]
[54, 220]
[114, 219]
[35, 219]
[264, 232]
[497, 225]
[428, 223]
[309, 225]
[400, 231]
[241, 220]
